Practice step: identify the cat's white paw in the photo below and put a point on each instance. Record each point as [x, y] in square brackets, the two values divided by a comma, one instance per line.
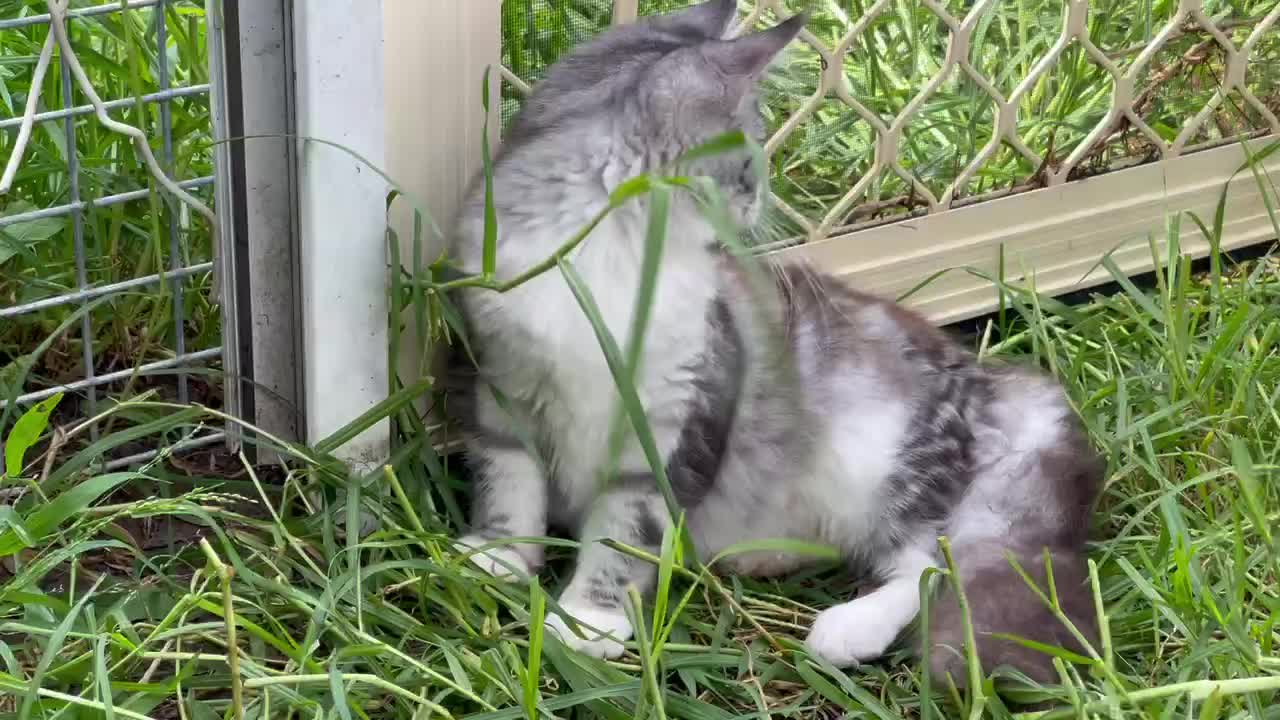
[851, 633]
[613, 626]
[500, 561]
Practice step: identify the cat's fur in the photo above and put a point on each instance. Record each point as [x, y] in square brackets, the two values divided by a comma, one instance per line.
[811, 411]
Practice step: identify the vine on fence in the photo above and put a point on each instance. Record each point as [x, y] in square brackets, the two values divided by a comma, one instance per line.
[58, 35]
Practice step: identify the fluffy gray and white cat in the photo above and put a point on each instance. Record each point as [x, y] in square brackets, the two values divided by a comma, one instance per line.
[815, 412]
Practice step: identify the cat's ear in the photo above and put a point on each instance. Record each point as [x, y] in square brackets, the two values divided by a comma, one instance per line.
[749, 55]
[708, 19]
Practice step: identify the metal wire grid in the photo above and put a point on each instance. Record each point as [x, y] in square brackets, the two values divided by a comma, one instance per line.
[833, 86]
[177, 273]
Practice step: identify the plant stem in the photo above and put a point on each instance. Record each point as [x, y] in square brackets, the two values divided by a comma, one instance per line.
[225, 573]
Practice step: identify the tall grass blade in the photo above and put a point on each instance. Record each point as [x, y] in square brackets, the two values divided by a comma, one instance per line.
[630, 398]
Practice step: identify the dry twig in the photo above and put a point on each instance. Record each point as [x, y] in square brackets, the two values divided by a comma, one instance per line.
[29, 112]
[57, 23]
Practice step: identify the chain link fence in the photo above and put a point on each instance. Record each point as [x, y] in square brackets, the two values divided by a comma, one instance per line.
[888, 108]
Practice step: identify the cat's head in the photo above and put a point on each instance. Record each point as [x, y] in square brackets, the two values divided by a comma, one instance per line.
[658, 88]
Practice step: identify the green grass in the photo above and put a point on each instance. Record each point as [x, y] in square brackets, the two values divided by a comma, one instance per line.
[113, 608]
[119, 53]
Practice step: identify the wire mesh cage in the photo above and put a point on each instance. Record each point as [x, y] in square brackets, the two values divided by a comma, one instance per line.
[883, 110]
[89, 242]
[888, 108]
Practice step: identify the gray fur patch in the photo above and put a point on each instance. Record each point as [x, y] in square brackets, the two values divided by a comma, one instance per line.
[648, 525]
[717, 382]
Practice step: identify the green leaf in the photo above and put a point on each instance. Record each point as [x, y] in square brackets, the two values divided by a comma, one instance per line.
[655, 239]
[1051, 650]
[26, 433]
[1250, 488]
[17, 239]
[51, 650]
[10, 519]
[564, 701]
[533, 673]
[11, 384]
[1211, 709]
[627, 389]
[199, 709]
[51, 515]
[83, 459]
[849, 695]
[105, 695]
[1142, 299]
[778, 545]
[373, 416]
[826, 688]
[339, 692]
[732, 140]
[490, 256]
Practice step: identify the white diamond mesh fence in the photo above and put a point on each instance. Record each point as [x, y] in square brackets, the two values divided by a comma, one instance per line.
[894, 107]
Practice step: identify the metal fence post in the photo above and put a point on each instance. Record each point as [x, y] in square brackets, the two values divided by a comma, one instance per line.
[258, 206]
[338, 55]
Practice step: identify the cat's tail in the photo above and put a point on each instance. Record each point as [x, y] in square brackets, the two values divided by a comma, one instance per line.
[1002, 606]
[1030, 503]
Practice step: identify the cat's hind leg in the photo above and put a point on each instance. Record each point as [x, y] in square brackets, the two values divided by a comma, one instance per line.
[865, 627]
[633, 513]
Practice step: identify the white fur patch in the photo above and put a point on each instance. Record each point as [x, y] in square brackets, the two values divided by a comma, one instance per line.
[861, 451]
[977, 518]
[582, 398]
[864, 628]
[502, 562]
[603, 631]
[1031, 416]
[1027, 418]
[855, 631]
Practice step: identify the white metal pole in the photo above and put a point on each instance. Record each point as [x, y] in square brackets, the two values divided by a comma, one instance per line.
[340, 95]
